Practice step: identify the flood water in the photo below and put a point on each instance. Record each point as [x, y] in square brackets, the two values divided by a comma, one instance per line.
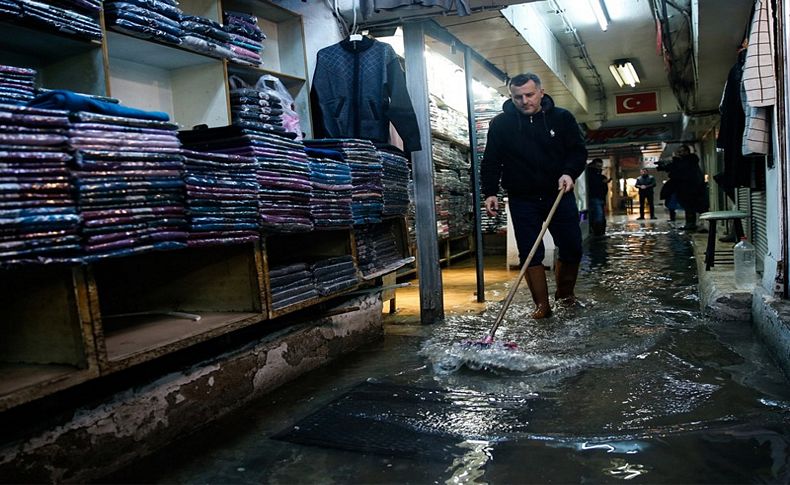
[634, 384]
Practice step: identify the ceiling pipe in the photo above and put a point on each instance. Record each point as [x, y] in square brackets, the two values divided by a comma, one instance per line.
[585, 57]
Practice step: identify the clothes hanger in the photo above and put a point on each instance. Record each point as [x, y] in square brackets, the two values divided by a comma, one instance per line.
[355, 36]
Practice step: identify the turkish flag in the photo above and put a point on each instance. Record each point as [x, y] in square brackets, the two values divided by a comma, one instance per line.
[636, 103]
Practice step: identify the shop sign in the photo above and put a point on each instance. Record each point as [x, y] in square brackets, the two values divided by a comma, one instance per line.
[629, 162]
[636, 103]
[629, 134]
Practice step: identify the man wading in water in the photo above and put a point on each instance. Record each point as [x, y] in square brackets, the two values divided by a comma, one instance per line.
[534, 149]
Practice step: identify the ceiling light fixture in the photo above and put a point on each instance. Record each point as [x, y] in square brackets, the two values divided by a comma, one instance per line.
[601, 14]
[624, 73]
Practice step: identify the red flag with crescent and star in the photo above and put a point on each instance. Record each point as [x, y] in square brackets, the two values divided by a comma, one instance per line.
[636, 103]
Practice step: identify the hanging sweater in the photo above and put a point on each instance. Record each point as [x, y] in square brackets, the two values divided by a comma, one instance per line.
[529, 153]
[358, 89]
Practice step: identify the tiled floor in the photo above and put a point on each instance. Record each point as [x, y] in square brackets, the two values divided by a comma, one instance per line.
[459, 281]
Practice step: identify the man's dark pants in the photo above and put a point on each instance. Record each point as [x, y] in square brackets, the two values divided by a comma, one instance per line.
[649, 197]
[528, 215]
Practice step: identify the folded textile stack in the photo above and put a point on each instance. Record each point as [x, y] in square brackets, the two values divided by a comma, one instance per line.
[376, 248]
[448, 122]
[484, 113]
[285, 188]
[130, 189]
[283, 172]
[17, 84]
[366, 173]
[245, 37]
[148, 19]
[205, 36]
[334, 274]
[411, 216]
[221, 198]
[453, 202]
[39, 222]
[460, 220]
[442, 216]
[291, 284]
[395, 182]
[78, 18]
[330, 176]
[447, 155]
[10, 10]
[256, 109]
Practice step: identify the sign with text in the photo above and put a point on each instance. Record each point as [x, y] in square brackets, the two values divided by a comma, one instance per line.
[636, 103]
[629, 134]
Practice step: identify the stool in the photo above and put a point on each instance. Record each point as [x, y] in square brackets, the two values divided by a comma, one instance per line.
[712, 218]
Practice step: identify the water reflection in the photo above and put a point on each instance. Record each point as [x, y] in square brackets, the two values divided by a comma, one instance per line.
[624, 470]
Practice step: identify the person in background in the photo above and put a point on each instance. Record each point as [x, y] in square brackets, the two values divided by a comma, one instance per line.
[597, 188]
[646, 183]
[688, 184]
[670, 198]
[536, 149]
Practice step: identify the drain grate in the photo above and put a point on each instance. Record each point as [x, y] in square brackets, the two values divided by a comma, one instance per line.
[386, 419]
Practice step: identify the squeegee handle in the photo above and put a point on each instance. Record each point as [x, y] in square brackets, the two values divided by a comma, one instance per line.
[524, 266]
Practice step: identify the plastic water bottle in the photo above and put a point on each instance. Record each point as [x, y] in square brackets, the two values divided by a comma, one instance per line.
[745, 270]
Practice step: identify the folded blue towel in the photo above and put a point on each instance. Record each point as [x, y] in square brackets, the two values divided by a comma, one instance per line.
[71, 101]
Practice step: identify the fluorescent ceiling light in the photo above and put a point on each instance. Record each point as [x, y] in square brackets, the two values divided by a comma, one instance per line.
[624, 73]
[601, 15]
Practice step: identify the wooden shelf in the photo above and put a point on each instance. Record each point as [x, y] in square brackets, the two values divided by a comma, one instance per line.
[31, 41]
[389, 268]
[153, 76]
[21, 383]
[47, 342]
[75, 64]
[153, 53]
[143, 337]
[222, 284]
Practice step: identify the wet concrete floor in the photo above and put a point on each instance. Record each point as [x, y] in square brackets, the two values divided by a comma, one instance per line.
[632, 384]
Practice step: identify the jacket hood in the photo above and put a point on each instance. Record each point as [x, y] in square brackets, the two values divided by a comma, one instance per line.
[546, 104]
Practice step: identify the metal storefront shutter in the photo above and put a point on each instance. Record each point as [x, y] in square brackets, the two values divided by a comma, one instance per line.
[759, 216]
[744, 204]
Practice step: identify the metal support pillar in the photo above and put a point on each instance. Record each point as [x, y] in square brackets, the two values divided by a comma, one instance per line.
[428, 271]
[470, 107]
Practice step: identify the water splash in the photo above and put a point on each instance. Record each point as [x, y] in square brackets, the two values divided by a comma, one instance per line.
[470, 467]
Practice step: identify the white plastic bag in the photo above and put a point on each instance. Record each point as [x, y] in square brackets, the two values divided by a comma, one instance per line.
[273, 86]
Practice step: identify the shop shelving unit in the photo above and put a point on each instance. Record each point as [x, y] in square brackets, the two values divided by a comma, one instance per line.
[62, 325]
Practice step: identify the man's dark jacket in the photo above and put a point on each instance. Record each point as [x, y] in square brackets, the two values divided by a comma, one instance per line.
[648, 181]
[358, 88]
[529, 153]
[597, 187]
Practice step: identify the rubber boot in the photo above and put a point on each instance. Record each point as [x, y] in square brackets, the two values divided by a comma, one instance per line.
[566, 282]
[536, 280]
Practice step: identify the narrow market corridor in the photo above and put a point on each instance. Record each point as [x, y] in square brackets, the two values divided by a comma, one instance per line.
[634, 383]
